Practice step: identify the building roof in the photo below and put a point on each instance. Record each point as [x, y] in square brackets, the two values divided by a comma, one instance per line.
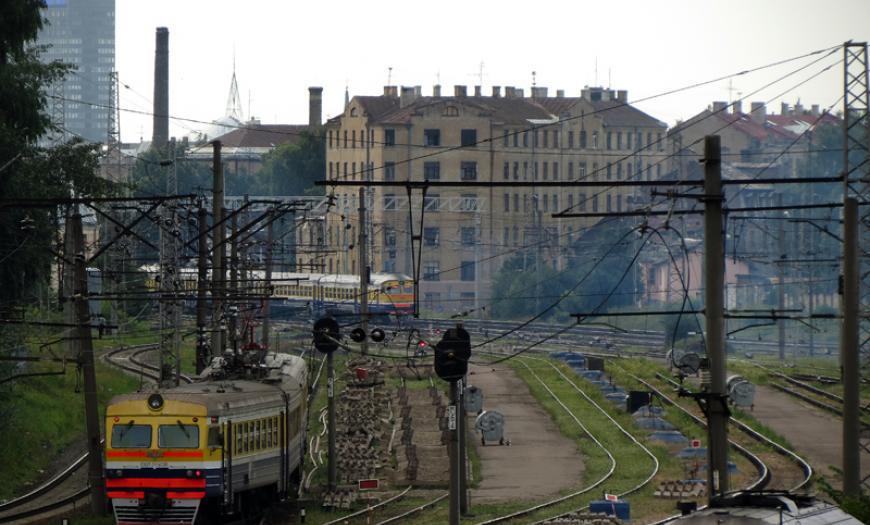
[387, 109]
[262, 135]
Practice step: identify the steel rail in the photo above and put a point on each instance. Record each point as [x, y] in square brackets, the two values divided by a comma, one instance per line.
[361, 512]
[546, 504]
[628, 434]
[413, 511]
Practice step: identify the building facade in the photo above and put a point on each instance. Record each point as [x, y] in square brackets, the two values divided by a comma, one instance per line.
[467, 231]
[81, 33]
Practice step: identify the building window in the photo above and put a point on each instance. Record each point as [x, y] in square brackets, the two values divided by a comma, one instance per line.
[468, 235]
[609, 139]
[609, 208]
[389, 201]
[628, 140]
[594, 140]
[353, 138]
[431, 137]
[555, 202]
[432, 203]
[516, 236]
[535, 138]
[609, 171]
[389, 236]
[468, 171]
[505, 140]
[618, 171]
[546, 170]
[570, 139]
[507, 202]
[582, 170]
[570, 200]
[345, 138]
[345, 170]
[507, 170]
[516, 138]
[661, 145]
[525, 139]
[594, 171]
[618, 140]
[466, 271]
[648, 139]
[431, 270]
[330, 170]
[555, 170]
[555, 138]
[507, 236]
[525, 203]
[432, 300]
[570, 171]
[516, 202]
[353, 171]
[432, 170]
[581, 201]
[619, 203]
[546, 138]
[525, 170]
[594, 203]
[389, 171]
[330, 139]
[431, 237]
[582, 139]
[468, 137]
[546, 202]
[468, 202]
[389, 137]
[629, 167]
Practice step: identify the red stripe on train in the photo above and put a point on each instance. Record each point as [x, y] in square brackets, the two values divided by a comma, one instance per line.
[156, 483]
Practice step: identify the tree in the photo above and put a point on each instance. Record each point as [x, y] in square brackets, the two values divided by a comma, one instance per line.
[26, 169]
[292, 169]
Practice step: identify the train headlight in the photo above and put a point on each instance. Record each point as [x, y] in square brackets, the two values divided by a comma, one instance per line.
[155, 401]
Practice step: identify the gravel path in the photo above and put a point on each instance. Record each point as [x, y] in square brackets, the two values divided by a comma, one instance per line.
[539, 462]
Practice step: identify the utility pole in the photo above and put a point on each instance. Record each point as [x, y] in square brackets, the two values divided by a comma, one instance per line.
[233, 310]
[780, 270]
[218, 272]
[86, 362]
[849, 353]
[202, 351]
[68, 284]
[363, 244]
[714, 282]
[267, 288]
[330, 430]
[461, 424]
[170, 309]
[454, 454]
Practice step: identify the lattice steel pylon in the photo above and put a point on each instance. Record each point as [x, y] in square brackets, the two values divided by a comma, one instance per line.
[170, 281]
[856, 170]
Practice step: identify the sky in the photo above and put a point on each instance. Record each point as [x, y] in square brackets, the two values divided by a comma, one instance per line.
[648, 48]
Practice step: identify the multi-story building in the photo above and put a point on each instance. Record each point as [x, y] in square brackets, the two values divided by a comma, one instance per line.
[81, 33]
[468, 231]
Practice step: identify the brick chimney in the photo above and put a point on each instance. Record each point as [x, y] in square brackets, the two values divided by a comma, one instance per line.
[436, 90]
[510, 92]
[560, 93]
[539, 92]
[759, 113]
[160, 130]
[496, 91]
[315, 106]
[783, 109]
[409, 94]
[737, 107]
[719, 106]
[622, 95]
[477, 91]
[391, 91]
[459, 91]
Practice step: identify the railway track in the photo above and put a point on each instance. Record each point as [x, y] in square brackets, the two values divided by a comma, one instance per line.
[64, 489]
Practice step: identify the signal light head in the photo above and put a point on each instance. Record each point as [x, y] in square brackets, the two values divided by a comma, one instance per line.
[358, 335]
[378, 335]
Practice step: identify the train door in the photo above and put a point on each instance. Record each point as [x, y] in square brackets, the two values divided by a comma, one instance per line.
[227, 464]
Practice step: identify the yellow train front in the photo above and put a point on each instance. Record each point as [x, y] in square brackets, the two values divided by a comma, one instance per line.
[205, 449]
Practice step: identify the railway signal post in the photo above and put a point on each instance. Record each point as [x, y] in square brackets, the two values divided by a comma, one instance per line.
[451, 364]
[326, 334]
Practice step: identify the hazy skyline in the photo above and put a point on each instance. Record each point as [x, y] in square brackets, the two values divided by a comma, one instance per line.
[647, 48]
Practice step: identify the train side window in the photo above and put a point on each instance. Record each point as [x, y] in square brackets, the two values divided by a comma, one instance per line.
[275, 434]
[237, 433]
[255, 432]
[268, 432]
[263, 434]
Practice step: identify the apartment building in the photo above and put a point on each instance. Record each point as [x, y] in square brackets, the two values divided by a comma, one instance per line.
[468, 231]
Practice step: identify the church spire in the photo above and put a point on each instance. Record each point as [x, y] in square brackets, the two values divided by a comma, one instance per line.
[234, 101]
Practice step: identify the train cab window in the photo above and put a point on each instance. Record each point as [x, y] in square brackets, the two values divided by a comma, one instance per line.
[178, 436]
[131, 435]
[215, 439]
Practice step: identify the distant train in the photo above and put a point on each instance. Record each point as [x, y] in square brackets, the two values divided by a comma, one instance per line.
[317, 293]
[209, 449]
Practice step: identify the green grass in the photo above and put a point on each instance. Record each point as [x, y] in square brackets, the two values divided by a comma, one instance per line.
[47, 417]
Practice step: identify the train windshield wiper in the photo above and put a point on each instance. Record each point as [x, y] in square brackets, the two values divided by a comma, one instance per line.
[181, 426]
[126, 429]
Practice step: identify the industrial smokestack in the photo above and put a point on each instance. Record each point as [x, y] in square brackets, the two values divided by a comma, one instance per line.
[315, 106]
[160, 131]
